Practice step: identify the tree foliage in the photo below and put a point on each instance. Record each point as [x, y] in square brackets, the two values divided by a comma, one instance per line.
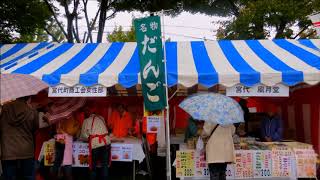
[74, 10]
[249, 19]
[262, 19]
[118, 35]
[21, 17]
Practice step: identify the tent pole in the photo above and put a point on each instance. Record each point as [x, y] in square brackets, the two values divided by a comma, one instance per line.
[168, 154]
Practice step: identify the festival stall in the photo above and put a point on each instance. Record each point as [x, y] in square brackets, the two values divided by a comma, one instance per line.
[113, 69]
[288, 160]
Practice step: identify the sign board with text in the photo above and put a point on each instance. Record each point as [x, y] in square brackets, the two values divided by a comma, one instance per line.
[278, 90]
[262, 164]
[49, 149]
[149, 42]
[185, 166]
[121, 152]
[153, 124]
[243, 164]
[305, 163]
[191, 163]
[80, 154]
[77, 91]
[282, 163]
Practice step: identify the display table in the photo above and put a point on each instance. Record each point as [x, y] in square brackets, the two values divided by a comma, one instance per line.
[289, 160]
[125, 149]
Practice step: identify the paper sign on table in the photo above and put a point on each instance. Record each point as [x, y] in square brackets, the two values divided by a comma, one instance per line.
[230, 171]
[153, 124]
[127, 152]
[262, 164]
[281, 163]
[185, 166]
[305, 163]
[49, 153]
[201, 168]
[80, 154]
[121, 152]
[192, 163]
[244, 164]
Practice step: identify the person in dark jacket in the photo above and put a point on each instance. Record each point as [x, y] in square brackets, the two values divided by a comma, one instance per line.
[18, 122]
[192, 129]
[271, 126]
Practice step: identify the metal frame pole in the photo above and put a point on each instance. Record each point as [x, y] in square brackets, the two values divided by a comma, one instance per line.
[168, 154]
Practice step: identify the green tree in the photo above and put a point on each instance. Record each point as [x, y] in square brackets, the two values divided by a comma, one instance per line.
[261, 19]
[73, 10]
[249, 19]
[39, 35]
[51, 32]
[118, 35]
[21, 18]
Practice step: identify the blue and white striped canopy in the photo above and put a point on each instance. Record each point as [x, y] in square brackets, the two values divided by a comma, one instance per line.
[206, 63]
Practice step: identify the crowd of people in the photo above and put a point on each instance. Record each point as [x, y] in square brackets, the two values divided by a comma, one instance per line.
[20, 122]
[20, 119]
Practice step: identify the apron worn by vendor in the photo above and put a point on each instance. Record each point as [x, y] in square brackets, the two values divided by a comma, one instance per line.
[98, 135]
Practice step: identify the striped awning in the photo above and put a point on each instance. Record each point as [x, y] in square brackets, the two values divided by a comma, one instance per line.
[204, 63]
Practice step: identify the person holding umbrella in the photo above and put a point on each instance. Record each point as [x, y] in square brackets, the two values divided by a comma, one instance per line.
[18, 123]
[219, 148]
[219, 113]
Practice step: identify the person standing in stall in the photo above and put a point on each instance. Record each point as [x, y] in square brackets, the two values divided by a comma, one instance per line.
[140, 129]
[18, 122]
[271, 126]
[66, 129]
[95, 131]
[121, 122]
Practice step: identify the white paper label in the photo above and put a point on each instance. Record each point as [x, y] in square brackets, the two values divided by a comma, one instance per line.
[153, 124]
[259, 91]
[77, 91]
[121, 152]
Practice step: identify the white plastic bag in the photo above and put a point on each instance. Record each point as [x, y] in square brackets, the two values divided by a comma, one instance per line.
[200, 144]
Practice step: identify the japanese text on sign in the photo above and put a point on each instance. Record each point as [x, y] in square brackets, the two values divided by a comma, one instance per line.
[259, 90]
[80, 154]
[49, 153]
[305, 163]
[190, 163]
[77, 91]
[244, 164]
[281, 163]
[151, 62]
[262, 164]
[185, 164]
[153, 124]
[121, 152]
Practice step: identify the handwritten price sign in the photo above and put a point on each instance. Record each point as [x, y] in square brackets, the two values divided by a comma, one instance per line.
[262, 164]
[244, 164]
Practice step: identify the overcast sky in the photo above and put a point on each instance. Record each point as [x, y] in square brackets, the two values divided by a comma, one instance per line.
[185, 27]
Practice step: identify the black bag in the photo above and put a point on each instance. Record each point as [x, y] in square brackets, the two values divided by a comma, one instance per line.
[214, 129]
